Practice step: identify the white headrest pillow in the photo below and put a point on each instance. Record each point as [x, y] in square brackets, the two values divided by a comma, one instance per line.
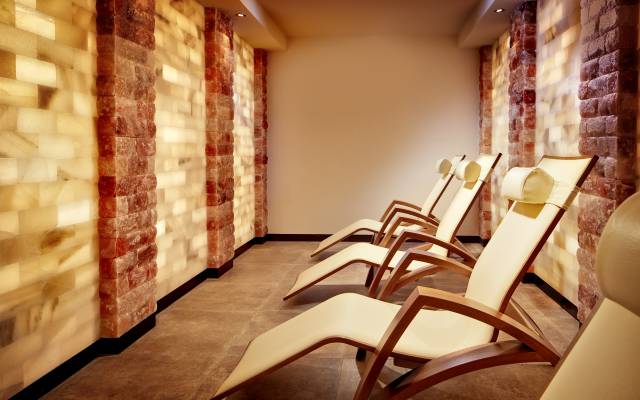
[527, 185]
[443, 166]
[468, 171]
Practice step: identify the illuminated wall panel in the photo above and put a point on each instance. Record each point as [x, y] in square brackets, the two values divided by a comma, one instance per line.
[180, 143]
[243, 143]
[49, 306]
[500, 124]
[557, 128]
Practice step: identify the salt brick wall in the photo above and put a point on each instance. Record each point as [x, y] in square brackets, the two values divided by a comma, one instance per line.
[499, 124]
[219, 66]
[485, 88]
[180, 143]
[243, 143]
[49, 305]
[522, 85]
[126, 146]
[557, 129]
[260, 139]
[608, 93]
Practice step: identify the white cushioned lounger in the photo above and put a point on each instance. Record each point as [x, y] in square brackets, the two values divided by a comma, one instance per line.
[473, 175]
[463, 323]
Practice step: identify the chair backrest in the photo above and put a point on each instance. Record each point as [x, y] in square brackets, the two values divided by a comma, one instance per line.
[604, 360]
[522, 233]
[443, 181]
[465, 196]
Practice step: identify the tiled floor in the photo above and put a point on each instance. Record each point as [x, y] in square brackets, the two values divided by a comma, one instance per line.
[199, 339]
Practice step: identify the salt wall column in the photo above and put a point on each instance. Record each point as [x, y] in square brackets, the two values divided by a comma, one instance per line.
[608, 107]
[486, 110]
[127, 183]
[260, 140]
[219, 65]
[522, 86]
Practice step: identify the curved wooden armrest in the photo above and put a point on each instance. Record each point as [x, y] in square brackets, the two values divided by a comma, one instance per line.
[399, 212]
[399, 277]
[468, 258]
[384, 239]
[394, 204]
[426, 297]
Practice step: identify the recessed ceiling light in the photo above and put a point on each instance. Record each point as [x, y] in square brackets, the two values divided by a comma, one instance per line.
[498, 10]
[241, 15]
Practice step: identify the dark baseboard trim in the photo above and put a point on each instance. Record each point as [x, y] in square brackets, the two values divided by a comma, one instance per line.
[110, 346]
[471, 239]
[102, 347]
[556, 296]
[216, 273]
[181, 290]
[311, 237]
[316, 237]
[259, 240]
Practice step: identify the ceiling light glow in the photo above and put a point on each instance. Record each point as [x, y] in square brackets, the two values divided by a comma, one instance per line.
[498, 10]
[241, 15]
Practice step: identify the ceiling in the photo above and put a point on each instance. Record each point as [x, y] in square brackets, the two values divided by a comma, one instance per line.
[269, 23]
[302, 18]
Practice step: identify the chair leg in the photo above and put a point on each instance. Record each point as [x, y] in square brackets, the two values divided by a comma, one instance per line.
[370, 275]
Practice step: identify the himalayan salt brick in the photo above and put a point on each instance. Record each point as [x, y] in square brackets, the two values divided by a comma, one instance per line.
[8, 171]
[38, 220]
[37, 121]
[16, 93]
[37, 170]
[9, 277]
[28, 19]
[35, 71]
[9, 225]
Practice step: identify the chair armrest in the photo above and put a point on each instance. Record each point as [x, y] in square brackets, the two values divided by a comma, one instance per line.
[390, 220]
[417, 255]
[427, 238]
[394, 204]
[399, 277]
[426, 297]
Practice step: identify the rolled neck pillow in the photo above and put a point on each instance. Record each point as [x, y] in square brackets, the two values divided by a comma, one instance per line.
[468, 171]
[527, 185]
[443, 166]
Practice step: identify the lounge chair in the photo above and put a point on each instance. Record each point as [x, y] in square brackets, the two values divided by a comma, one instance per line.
[445, 170]
[474, 174]
[603, 362]
[460, 335]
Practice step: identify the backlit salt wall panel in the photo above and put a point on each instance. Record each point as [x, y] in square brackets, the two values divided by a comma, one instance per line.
[500, 125]
[49, 305]
[243, 143]
[557, 128]
[180, 143]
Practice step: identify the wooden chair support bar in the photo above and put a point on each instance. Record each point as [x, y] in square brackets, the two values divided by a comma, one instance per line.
[386, 235]
[395, 204]
[400, 277]
[426, 297]
[456, 364]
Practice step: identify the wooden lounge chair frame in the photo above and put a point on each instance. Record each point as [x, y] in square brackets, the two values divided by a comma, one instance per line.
[528, 346]
[404, 219]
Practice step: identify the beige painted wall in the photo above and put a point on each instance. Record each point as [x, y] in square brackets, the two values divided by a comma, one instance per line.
[357, 121]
